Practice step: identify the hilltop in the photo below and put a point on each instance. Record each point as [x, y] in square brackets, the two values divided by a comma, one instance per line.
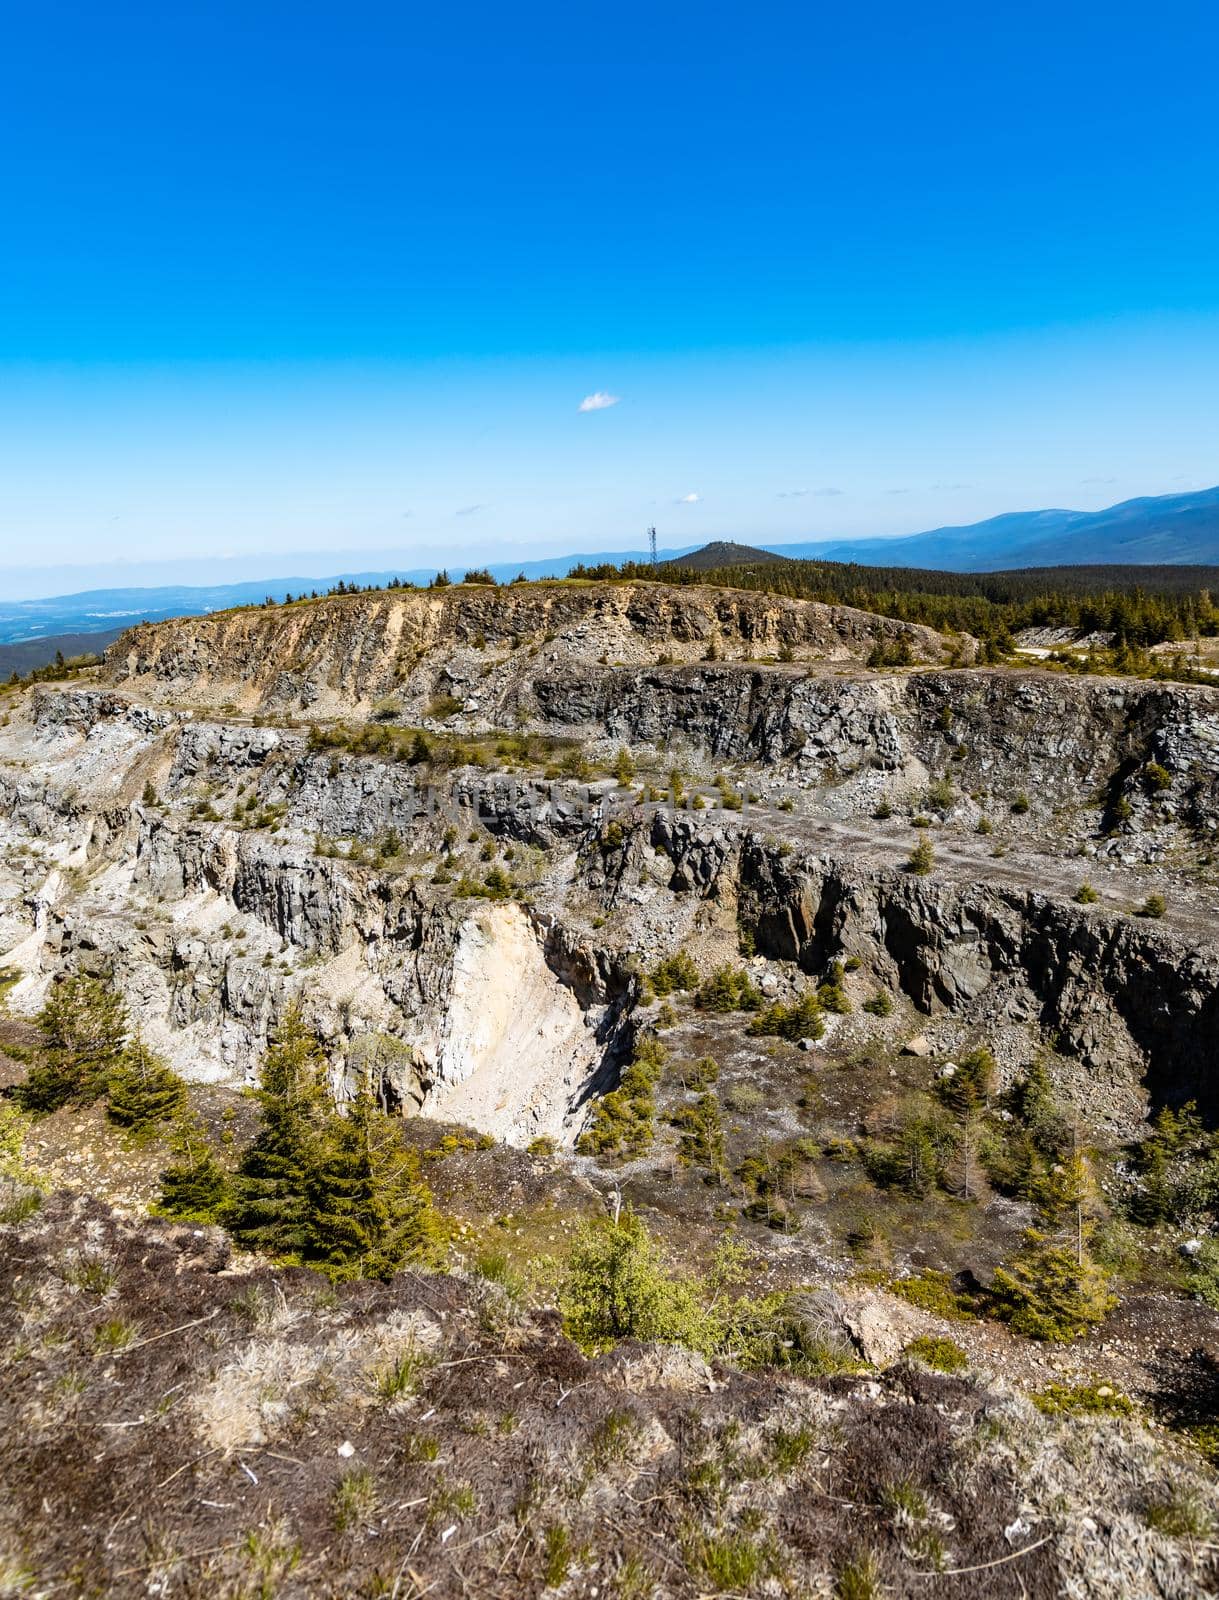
[722, 553]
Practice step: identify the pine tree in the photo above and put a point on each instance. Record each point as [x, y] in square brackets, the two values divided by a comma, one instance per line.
[270, 1209]
[1048, 1291]
[142, 1090]
[1053, 1289]
[368, 1213]
[922, 857]
[83, 1025]
[195, 1187]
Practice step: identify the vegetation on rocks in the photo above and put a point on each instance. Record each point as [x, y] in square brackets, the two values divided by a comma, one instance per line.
[337, 1191]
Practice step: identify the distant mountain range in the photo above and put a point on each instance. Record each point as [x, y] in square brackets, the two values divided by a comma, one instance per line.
[1165, 530]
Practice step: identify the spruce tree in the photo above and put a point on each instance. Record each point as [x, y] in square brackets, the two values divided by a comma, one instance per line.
[1047, 1291]
[369, 1214]
[194, 1187]
[1052, 1289]
[83, 1024]
[142, 1089]
[270, 1209]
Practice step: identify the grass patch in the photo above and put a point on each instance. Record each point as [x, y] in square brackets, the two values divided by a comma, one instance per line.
[355, 1499]
[943, 1355]
[1083, 1400]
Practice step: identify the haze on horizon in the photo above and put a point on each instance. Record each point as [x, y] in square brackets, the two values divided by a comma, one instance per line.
[498, 286]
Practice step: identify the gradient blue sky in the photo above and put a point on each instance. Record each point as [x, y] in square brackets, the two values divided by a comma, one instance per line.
[313, 277]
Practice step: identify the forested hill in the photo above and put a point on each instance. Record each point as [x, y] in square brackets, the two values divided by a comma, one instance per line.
[1140, 605]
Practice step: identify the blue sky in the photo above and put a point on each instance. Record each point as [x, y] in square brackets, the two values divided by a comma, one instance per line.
[314, 277]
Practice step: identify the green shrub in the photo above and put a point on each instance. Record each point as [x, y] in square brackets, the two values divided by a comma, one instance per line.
[744, 1097]
[674, 974]
[732, 1562]
[617, 1287]
[623, 1121]
[1181, 1512]
[803, 1019]
[944, 1355]
[1086, 895]
[1155, 906]
[1082, 1400]
[728, 989]
[860, 1579]
[20, 1183]
[933, 1291]
[879, 1004]
[1156, 778]
[940, 794]
[922, 858]
[1049, 1291]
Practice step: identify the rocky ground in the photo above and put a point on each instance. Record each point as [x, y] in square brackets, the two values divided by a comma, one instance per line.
[174, 1427]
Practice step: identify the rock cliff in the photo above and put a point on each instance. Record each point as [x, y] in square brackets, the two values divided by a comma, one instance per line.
[223, 865]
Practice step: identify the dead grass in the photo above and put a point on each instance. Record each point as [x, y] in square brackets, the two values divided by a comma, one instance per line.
[194, 1434]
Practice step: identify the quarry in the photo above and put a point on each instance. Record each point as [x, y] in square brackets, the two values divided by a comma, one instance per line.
[464, 835]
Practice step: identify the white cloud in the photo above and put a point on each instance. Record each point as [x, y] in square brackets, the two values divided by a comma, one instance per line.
[598, 402]
[468, 511]
[799, 494]
[689, 500]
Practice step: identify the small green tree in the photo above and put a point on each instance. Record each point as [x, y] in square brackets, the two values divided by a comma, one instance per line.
[1052, 1289]
[367, 1212]
[142, 1089]
[674, 973]
[270, 1207]
[702, 1135]
[803, 1019]
[83, 1024]
[969, 1087]
[617, 1287]
[624, 767]
[1047, 1291]
[922, 857]
[830, 993]
[20, 1183]
[195, 1187]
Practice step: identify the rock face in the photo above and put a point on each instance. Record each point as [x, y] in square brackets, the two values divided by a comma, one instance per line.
[478, 1011]
[223, 870]
[1136, 1004]
[1061, 745]
[340, 656]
